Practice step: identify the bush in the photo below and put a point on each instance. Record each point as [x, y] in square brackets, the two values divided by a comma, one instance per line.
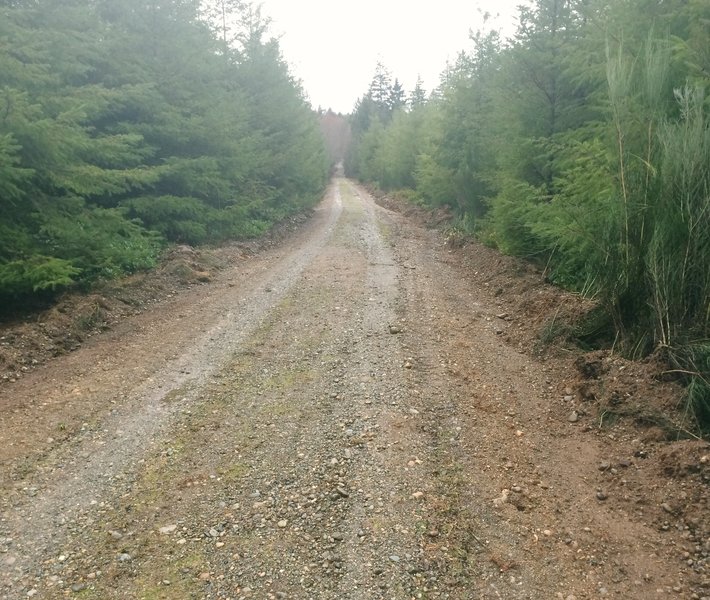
[37, 274]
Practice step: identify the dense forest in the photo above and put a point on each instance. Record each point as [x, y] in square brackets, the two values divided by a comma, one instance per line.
[582, 144]
[128, 124]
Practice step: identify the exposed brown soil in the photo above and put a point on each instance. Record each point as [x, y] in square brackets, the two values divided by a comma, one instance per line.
[362, 410]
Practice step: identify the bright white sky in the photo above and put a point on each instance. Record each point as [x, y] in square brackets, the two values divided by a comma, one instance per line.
[333, 46]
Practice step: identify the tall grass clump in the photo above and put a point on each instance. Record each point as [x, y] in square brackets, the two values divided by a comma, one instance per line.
[658, 285]
[678, 258]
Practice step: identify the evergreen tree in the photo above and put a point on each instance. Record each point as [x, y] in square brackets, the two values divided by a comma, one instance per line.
[417, 96]
[124, 124]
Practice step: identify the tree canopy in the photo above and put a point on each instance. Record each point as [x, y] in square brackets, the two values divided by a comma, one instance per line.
[125, 124]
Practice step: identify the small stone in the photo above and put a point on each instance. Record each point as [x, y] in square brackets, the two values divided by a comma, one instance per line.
[568, 398]
[219, 545]
[604, 466]
[213, 533]
[407, 365]
[433, 533]
[282, 523]
[417, 495]
[394, 558]
[338, 537]
[78, 587]
[342, 492]
[167, 529]
[625, 462]
[394, 329]
[601, 495]
[667, 507]
[124, 557]
[573, 417]
[116, 535]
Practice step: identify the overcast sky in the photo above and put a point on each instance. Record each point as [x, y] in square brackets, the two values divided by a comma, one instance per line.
[333, 47]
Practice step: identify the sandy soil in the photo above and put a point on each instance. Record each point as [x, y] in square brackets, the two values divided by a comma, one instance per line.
[362, 411]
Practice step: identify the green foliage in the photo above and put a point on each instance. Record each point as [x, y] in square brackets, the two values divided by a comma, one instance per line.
[692, 362]
[99, 243]
[38, 274]
[127, 123]
[678, 255]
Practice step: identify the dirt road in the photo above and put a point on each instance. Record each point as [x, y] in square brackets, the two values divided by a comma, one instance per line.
[337, 418]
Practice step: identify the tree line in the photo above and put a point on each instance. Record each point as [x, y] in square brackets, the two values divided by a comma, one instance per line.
[582, 144]
[127, 124]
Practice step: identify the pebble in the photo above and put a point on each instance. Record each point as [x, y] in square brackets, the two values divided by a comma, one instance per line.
[573, 417]
[394, 558]
[124, 557]
[78, 587]
[604, 466]
[167, 529]
[342, 492]
[601, 495]
[282, 523]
